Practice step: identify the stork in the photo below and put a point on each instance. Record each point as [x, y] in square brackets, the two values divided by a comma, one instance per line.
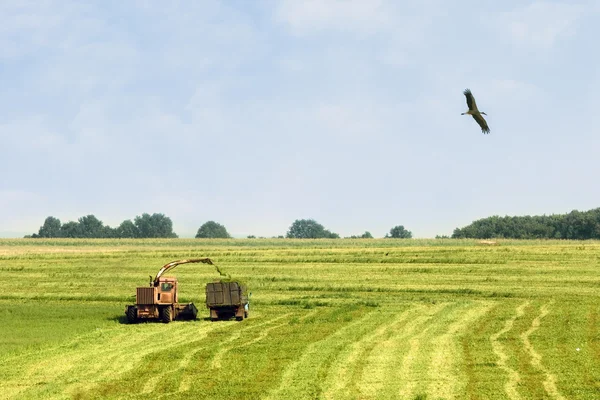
[474, 112]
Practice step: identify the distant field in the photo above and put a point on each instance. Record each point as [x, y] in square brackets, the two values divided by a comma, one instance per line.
[329, 319]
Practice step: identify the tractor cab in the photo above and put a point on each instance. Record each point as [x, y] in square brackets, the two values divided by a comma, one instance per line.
[166, 290]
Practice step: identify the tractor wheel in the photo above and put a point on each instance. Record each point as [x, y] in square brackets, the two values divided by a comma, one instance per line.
[165, 315]
[132, 315]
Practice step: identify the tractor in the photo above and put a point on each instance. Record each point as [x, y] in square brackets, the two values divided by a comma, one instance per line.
[159, 301]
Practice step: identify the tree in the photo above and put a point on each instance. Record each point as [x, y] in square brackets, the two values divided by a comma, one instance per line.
[71, 229]
[108, 232]
[50, 229]
[574, 225]
[398, 232]
[127, 229]
[91, 227]
[212, 230]
[154, 226]
[309, 229]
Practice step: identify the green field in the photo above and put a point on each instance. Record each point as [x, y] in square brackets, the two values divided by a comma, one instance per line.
[329, 319]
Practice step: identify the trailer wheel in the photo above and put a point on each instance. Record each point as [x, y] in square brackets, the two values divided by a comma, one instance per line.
[165, 315]
[131, 315]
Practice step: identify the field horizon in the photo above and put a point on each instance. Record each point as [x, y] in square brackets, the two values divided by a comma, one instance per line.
[329, 319]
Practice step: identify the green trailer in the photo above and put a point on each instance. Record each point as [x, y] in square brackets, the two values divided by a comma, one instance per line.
[227, 300]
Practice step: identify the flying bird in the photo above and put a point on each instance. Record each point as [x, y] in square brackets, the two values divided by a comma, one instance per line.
[474, 112]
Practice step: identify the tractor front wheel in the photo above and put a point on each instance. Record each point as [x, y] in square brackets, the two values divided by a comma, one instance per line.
[166, 315]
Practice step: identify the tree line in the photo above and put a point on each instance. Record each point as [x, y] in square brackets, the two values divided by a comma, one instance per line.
[578, 225]
[143, 226]
[161, 226]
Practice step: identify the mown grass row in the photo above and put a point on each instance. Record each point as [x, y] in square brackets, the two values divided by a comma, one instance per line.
[332, 319]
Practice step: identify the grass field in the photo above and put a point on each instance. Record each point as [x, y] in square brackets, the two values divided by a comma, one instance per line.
[329, 319]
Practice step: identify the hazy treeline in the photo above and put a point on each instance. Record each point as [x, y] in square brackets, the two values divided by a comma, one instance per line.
[579, 225]
[144, 226]
[161, 226]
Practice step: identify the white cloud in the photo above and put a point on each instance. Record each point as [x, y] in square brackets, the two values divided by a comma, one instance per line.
[541, 24]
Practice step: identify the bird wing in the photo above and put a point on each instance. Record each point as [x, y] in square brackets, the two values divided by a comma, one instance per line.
[470, 100]
[482, 123]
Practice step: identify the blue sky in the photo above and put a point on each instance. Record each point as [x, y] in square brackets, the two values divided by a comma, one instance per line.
[257, 113]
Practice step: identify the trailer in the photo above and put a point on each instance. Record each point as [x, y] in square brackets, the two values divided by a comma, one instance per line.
[226, 300]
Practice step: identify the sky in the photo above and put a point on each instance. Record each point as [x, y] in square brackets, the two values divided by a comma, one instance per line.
[257, 113]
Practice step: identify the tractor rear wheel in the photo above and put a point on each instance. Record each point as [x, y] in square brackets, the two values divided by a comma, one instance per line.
[166, 315]
[132, 315]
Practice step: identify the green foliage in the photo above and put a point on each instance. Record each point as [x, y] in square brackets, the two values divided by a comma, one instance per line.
[212, 230]
[154, 226]
[51, 228]
[127, 229]
[398, 232]
[309, 229]
[145, 226]
[71, 229]
[574, 225]
[91, 227]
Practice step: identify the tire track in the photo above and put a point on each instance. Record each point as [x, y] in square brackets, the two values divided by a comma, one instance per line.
[407, 376]
[444, 371]
[301, 378]
[265, 332]
[64, 366]
[123, 357]
[384, 358]
[187, 379]
[345, 365]
[151, 384]
[216, 361]
[89, 363]
[510, 388]
[536, 359]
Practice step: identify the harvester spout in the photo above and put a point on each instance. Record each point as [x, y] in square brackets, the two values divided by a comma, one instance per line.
[173, 264]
